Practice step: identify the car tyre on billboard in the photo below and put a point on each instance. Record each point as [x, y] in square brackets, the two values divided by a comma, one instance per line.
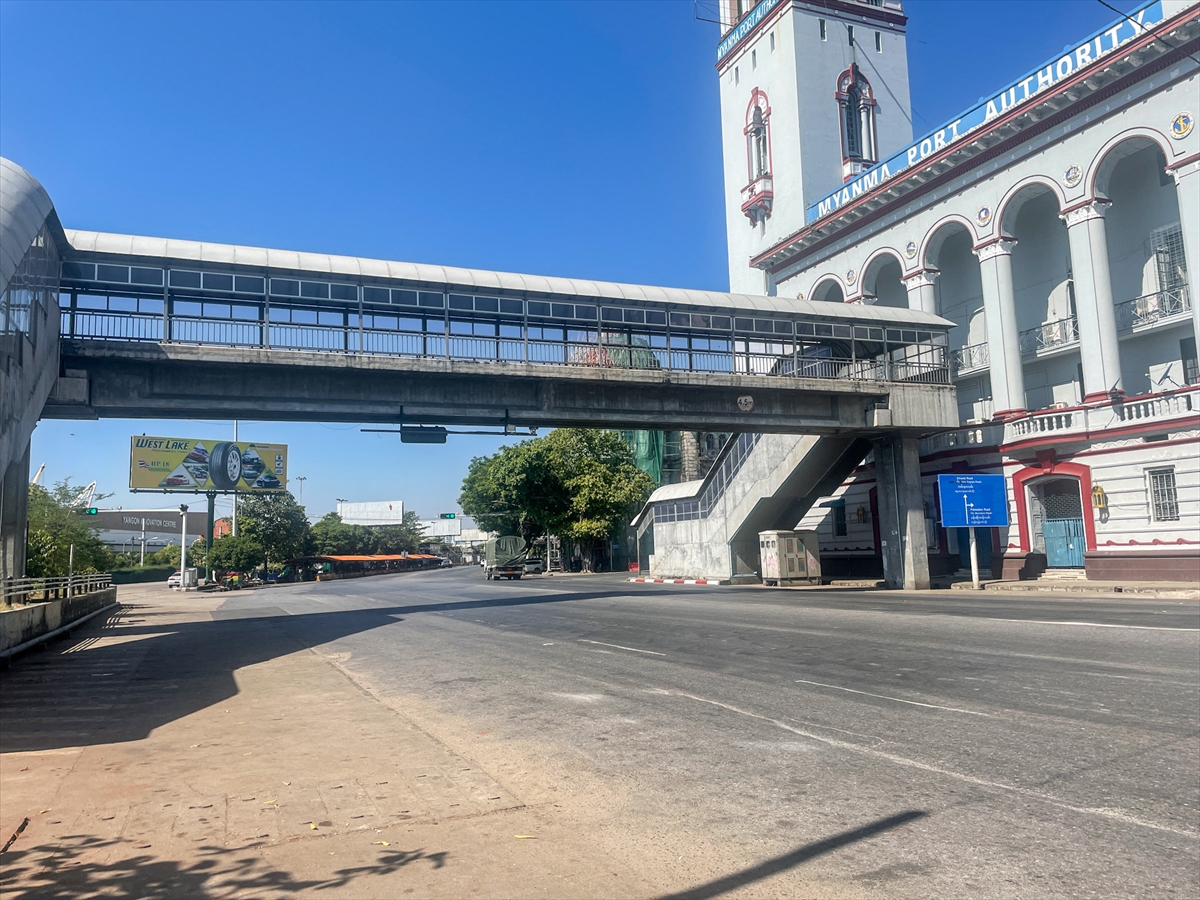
[225, 466]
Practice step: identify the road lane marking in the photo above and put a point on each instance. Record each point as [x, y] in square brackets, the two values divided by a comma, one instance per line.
[619, 647]
[969, 712]
[1106, 812]
[1093, 624]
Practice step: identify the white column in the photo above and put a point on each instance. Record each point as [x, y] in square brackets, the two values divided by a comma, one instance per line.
[920, 287]
[1004, 341]
[1098, 346]
[1187, 187]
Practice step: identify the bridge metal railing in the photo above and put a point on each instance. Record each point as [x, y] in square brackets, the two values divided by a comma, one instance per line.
[862, 353]
[23, 591]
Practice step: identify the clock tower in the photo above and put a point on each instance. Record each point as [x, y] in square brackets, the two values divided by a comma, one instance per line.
[812, 93]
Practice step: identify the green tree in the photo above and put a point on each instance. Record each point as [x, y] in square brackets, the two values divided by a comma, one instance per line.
[333, 537]
[276, 522]
[577, 483]
[54, 526]
[403, 538]
[236, 553]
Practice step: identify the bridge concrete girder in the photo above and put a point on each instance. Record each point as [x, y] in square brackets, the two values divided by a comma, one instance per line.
[139, 380]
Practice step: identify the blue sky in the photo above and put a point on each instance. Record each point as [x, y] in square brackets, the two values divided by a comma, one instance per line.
[559, 138]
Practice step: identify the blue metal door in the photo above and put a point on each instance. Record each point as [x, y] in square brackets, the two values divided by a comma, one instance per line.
[1065, 543]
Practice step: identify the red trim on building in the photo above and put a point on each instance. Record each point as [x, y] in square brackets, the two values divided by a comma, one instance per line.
[1165, 61]
[1051, 466]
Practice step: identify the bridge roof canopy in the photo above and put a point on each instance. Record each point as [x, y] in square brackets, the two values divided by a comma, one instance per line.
[24, 208]
[168, 251]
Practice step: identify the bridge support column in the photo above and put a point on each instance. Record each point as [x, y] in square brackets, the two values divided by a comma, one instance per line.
[14, 517]
[901, 513]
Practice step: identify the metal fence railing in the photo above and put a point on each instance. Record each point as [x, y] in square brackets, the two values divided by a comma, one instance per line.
[1147, 310]
[1050, 335]
[23, 591]
[801, 357]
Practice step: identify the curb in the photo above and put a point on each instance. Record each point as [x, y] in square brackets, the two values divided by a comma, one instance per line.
[8, 654]
[676, 581]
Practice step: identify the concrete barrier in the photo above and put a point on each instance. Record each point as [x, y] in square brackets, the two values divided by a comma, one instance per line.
[26, 625]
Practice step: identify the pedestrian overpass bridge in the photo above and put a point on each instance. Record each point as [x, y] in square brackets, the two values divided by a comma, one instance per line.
[124, 326]
[150, 327]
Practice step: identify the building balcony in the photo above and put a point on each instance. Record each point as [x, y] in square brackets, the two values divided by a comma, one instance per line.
[1162, 308]
[1050, 337]
[1089, 420]
[970, 360]
[1074, 423]
[757, 198]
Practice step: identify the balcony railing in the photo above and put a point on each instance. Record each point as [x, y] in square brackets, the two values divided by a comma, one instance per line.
[1049, 336]
[972, 358]
[1141, 312]
[1085, 421]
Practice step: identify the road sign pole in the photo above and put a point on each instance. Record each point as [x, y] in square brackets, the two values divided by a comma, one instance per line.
[974, 547]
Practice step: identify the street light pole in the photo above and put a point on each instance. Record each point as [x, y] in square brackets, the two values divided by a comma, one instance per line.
[301, 480]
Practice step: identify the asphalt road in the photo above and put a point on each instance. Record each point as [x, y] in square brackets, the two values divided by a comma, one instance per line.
[934, 745]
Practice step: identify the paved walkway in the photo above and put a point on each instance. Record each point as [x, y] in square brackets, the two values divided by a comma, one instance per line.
[1161, 590]
[173, 750]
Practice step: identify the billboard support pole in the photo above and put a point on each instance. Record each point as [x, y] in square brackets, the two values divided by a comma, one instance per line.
[233, 521]
[212, 513]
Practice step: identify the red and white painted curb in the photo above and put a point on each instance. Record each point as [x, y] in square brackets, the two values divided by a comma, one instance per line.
[675, 581]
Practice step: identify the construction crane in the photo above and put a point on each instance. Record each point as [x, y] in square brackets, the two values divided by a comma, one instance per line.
[84, 497]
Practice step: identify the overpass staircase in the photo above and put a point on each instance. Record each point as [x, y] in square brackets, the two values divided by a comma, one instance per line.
[759, 482]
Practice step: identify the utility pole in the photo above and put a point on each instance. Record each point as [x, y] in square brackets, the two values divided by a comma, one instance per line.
[301, 480]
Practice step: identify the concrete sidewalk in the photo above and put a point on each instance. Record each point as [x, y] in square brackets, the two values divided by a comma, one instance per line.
[174, 750]
[1149, 590]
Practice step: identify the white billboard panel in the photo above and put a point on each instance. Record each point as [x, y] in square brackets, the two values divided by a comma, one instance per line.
[373, 512]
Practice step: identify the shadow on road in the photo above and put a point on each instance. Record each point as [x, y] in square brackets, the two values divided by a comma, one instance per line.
[795, 858]
[98, 691]
[85, 866]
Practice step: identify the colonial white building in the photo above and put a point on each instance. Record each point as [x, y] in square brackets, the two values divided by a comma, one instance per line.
[1056, 224]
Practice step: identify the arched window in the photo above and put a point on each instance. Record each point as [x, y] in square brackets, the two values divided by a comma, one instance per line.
[857, 116]
[757, 136]
[758, 193]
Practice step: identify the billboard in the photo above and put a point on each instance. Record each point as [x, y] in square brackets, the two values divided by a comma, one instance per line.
[373, 513]
[196, 466]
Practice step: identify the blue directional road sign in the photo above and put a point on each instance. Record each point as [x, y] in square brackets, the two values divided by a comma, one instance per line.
[978, 501]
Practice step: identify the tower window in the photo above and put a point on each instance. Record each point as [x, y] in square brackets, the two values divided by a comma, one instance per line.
[757, 146]
[754, 59]
[824, 30]
[878, 42]
[857, 115]
[758, 193]
[850, 34]
[772, 42]
[737, 76]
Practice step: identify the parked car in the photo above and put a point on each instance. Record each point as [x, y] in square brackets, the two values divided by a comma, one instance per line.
[175, 580]
[535, 565]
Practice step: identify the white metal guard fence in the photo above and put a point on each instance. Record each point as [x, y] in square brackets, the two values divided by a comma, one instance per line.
[23, 591]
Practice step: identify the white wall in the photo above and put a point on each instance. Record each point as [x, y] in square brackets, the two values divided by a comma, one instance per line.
[800, 78]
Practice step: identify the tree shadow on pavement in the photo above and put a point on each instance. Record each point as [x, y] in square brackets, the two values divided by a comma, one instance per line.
[86, 866]
[794, 858]
[137, 670]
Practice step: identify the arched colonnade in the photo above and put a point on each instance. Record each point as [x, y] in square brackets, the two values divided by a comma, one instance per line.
[1043, 288]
